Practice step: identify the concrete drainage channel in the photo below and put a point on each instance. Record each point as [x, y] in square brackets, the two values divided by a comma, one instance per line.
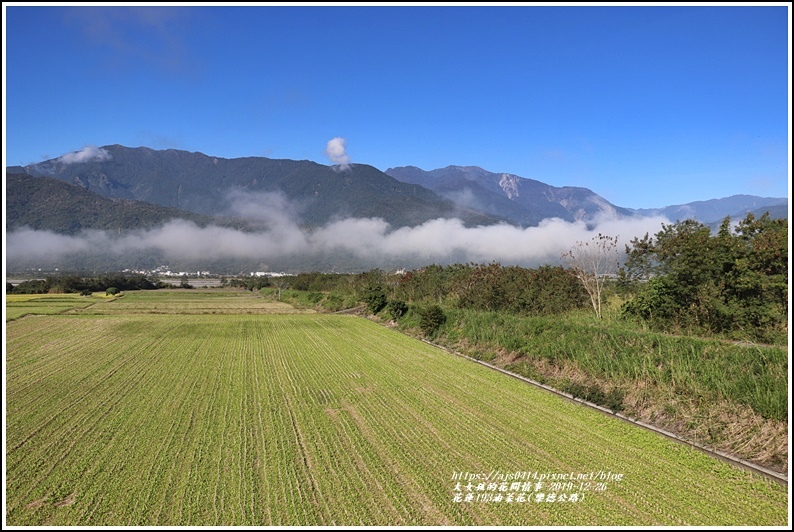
[767, 473]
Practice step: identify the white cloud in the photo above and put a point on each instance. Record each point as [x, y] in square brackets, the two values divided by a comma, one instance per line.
[336, 151]
[274, 209]
[86, 155]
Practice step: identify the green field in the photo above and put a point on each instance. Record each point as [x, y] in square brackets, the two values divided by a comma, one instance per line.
[18, 305]
[221, 408]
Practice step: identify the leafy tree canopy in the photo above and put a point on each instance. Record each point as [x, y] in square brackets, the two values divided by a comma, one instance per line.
[734, 281]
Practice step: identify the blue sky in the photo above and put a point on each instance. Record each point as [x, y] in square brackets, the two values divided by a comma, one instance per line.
[647, 106]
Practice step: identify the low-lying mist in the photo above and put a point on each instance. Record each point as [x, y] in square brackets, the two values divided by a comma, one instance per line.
[350, 243]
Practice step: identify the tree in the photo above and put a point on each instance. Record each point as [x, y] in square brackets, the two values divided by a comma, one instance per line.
[112, 291]
[281, 284]
[728, 282]
[592, 263]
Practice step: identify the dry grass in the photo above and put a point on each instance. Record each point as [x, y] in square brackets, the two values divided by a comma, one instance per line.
[722, 425]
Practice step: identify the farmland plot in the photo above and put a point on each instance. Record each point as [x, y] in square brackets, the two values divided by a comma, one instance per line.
[323, 420]
[200, 302]
[19, 305]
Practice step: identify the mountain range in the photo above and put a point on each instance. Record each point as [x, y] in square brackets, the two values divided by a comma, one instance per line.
[715, 210]
[523, 201]
[199, 187]
[201, 184]
[121, 189]
[526, 201]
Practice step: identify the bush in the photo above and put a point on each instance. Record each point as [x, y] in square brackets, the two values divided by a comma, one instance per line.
[396, 309]
[112, 291]
[431, 320]
[375, 298]
[314, 297]
[333, 302]
[86, 292]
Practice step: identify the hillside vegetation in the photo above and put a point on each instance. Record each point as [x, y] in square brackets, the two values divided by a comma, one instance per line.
[46, 203]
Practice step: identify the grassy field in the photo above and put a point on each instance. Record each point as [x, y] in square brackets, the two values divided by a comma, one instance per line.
[18, 305]
[221, 408]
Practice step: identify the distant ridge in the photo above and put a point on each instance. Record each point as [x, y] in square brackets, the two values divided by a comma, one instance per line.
[45, 203]
[201, 184]
[715, 210]
[120, 190]
[145, 187]
[524, 202]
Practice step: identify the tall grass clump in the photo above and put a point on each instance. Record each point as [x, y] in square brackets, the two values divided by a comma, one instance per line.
[700, 369]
